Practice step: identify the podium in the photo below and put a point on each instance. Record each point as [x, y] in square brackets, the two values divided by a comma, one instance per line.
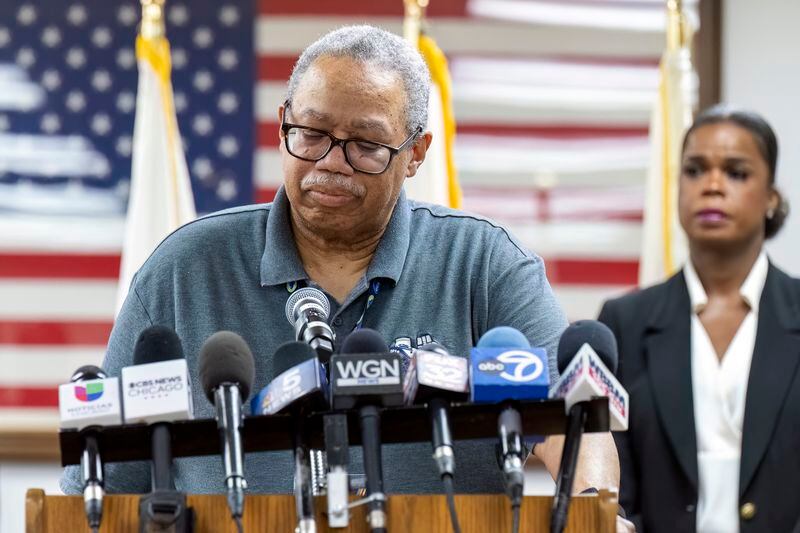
[276, 514]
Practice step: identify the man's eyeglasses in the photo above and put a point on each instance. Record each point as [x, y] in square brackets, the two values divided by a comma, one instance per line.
[311, 144]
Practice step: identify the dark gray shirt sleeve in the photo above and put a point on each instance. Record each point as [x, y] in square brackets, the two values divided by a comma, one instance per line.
[521, 297]
[128, 477]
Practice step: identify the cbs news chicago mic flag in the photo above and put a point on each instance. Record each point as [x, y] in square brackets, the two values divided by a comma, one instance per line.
[161, 194]
[436, 180]
[664, 247]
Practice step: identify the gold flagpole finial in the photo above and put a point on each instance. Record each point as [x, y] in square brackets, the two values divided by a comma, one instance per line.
[153, 19]
[676, 25]
[412, 24]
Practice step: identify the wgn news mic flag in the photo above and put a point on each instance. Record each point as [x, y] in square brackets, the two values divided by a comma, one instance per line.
[664, 248]
[161, 195]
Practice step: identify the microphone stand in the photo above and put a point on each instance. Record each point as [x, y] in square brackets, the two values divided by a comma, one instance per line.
[303, 489]
[164, 509]
[371, 443]
[566, 472]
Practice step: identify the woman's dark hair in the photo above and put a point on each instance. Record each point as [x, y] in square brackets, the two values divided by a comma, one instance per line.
[766, 141]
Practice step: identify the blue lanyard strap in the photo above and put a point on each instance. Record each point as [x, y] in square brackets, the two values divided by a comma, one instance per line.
[374, 289]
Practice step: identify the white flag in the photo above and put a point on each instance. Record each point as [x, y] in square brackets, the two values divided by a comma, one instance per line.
[161, 194]
[436, 180]
[664, 249]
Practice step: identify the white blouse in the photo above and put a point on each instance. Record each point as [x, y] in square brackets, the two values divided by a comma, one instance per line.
[720, 389]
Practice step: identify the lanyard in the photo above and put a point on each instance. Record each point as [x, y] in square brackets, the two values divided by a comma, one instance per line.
[374, 289]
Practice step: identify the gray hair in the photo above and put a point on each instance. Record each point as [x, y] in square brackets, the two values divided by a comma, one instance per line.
[380, 48]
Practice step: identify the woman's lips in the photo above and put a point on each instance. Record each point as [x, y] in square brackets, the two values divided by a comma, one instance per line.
[712, 216]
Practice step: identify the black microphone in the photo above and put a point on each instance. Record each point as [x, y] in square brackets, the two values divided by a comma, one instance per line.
[435, 378]
[156, 344]
[227, 371]
[601, 343]
[156, 390]
[299, 388]
[366, 375]
[307, 310]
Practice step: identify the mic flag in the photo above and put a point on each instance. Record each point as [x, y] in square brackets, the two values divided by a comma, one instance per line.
[89, 400]
[586, 377]
[509, 373]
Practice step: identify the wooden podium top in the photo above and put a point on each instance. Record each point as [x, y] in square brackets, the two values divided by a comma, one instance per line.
[263, 513]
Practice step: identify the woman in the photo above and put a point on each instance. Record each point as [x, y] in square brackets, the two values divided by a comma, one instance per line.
[710, 357]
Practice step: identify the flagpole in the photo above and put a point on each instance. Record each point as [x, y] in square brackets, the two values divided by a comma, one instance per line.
[412, 23]
[677, 40]
[153, 30]
[153, 19]
[160, 197]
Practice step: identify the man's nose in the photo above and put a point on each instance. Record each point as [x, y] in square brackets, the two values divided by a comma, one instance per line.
[335, 161]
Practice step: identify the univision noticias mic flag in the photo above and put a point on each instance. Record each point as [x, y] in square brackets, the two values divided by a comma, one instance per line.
[161, 194]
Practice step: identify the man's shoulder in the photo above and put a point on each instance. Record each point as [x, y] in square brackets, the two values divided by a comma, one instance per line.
[214, 234]
[451, 222]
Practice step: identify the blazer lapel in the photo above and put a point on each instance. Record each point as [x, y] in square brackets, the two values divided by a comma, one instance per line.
[775, 361]
[668, 352]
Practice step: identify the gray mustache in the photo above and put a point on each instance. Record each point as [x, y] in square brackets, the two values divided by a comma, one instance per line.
[334, 180]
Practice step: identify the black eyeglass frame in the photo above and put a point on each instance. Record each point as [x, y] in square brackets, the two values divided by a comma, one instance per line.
[336, 141]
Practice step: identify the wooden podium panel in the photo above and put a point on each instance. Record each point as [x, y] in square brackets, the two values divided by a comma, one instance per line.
[275, 513]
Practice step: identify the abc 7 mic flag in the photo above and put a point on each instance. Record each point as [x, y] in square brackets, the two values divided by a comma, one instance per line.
[509, 374]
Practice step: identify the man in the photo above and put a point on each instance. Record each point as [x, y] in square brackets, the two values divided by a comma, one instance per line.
[351, 133]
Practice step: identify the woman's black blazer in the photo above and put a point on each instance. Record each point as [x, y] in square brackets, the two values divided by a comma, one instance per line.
[658, 455]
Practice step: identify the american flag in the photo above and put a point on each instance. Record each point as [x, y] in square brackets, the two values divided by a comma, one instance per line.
[552, 101]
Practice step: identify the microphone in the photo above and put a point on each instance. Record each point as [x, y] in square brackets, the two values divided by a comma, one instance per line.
[227, 371]
[90, 399]
[503, 368]
[307, 310]
[586, 351]
[157, 391]
[300, 388]
[436, 378]
[366, 375]
[337, 453]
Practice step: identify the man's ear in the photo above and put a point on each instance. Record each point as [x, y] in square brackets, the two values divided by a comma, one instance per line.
[281, 111]
[418, 151]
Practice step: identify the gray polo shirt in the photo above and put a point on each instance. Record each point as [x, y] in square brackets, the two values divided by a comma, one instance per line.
[443, 273]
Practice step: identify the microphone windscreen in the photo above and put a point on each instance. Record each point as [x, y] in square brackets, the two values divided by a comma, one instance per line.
[156, 344]
[503, 337]
[290, 354]
[364, 340]
[88, 372]
[226, 358]
[591, 332]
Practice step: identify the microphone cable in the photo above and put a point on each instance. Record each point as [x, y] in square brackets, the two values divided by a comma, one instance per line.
[449, 490]
[239, 526]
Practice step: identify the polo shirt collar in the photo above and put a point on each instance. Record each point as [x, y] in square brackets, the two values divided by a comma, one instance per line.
[280, 262]
[390, 256]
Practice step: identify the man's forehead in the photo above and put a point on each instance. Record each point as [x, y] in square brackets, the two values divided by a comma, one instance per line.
[342, 91]
[309, 112]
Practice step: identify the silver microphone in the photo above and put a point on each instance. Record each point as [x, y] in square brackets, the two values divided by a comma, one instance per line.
[307, 310]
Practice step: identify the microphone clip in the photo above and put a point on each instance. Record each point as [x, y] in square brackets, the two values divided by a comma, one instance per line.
[164, 511]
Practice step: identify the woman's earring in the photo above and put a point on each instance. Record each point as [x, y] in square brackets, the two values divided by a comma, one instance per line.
[770, 214]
